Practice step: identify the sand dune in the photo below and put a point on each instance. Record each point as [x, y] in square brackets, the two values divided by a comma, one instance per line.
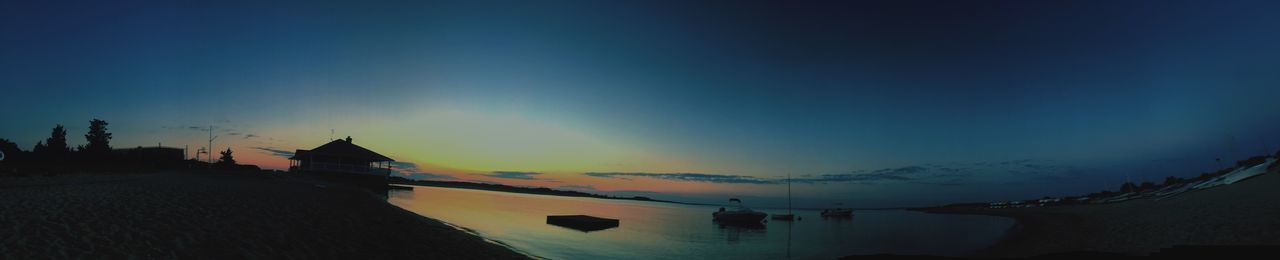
[1243, 213]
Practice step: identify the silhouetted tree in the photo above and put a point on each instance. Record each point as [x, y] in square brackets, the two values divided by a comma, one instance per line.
[1256, 160]
[10, 150]
[1172, 180]
[40, 148]
[98, 137]
[56, 145]
[226, 157]
[1128, 187]
[1146, 185]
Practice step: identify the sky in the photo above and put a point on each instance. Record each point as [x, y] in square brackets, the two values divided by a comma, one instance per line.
[865, 103]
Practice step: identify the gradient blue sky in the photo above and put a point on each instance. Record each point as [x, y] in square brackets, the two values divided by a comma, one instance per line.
[892, 102]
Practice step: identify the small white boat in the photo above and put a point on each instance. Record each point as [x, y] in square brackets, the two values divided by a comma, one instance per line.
[741, 215]
[837, 212]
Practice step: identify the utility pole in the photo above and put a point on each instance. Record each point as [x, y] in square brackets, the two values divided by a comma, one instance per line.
[210, 150]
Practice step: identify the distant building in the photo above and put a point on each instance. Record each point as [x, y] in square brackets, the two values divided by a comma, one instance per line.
[344, 160]
[156, 153]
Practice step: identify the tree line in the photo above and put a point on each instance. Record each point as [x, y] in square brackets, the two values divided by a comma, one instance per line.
[97, 145]
[1145, 186]
[55, 155]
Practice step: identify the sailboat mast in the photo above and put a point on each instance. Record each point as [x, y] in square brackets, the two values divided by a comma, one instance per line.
[788, 193]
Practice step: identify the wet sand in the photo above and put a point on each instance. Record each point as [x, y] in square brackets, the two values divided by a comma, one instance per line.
[1244, 213]
[186, 215]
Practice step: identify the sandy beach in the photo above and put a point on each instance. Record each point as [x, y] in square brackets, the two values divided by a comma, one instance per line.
[205, 215]
[1240, 214]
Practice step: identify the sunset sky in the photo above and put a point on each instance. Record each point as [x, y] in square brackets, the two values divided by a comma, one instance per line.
[869, 103]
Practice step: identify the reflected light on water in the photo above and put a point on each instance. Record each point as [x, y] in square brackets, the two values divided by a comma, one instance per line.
[650, 230]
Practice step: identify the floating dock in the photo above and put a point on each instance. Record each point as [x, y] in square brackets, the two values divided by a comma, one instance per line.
[582, 223]
[399, 187]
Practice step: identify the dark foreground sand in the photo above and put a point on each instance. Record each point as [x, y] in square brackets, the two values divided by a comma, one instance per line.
[1244, 213]
[190, 215]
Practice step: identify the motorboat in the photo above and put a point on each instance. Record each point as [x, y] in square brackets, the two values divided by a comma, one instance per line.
[837, 212]
[741, 215]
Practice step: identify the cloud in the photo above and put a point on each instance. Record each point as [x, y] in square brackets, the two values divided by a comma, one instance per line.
[1048, 173]
[250, 136]
[924, 174]
[428, 176]
[275, 151]
[694, 177]
[411, 171]
[856, 177]
[578, 187]
[234, 133]
[404, 166]
[915, 174]
[1016, 162]
[514, 175]
[945, 174]
[183, 127]
[949, 174]
[902, 170]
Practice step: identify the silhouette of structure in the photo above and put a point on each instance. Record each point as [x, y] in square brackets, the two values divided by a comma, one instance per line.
[210, 147]
[157, 153]
[583, 223]
[343, 160]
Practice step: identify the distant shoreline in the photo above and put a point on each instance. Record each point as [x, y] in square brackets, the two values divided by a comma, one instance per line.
[525, 190]
[564, 193]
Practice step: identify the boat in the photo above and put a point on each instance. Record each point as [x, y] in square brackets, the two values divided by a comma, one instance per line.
[837, 212]
[788, 216]
[741, 215]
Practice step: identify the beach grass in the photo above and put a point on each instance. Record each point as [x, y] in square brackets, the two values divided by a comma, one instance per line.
[1240, 214]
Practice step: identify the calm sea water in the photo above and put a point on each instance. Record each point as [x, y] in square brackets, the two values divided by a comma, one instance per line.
[651, 230]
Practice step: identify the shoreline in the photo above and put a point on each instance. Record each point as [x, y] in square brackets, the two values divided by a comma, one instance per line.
[465, 230]
[221, 215]
[1032, 234]
[532, 191]
[1226, 218]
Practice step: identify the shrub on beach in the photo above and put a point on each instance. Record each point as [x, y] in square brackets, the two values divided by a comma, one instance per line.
[1128, 187]
[1256, 160]
[11, 153]
[1146, 185]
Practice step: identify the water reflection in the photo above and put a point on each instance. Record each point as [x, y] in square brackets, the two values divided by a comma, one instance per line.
[651, 230]
[789, 226]
[734, 233]
[838, 218]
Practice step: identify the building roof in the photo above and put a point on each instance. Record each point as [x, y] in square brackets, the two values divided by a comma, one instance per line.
[341, 148]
